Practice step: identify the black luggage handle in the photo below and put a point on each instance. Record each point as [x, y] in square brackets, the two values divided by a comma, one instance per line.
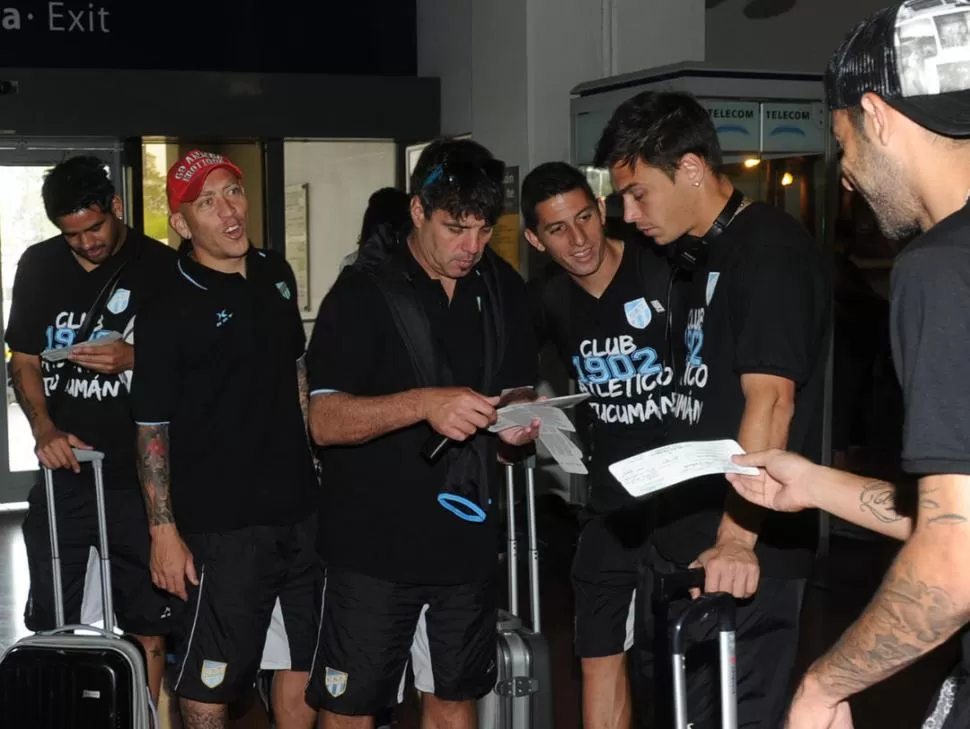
[721, 605]
[670, 586]
[96, 459]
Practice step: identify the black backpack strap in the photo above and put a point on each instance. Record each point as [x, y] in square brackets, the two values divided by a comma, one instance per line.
[412, 323]
[493, 321]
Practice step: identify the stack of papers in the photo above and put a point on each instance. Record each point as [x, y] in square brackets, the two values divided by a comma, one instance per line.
[61, 353]
[555, 423]
[669, 465]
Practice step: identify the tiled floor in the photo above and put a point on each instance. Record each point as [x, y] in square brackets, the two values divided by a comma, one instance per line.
[855, 570]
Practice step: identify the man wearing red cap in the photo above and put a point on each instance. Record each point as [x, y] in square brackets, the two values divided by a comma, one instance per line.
[220, 400]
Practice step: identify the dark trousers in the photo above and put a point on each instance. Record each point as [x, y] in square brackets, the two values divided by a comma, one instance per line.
[766, 645]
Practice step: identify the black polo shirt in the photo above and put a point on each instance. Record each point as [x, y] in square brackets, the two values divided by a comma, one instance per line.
[760, 305]
[217, 362]
[52, 294]
[380, 515]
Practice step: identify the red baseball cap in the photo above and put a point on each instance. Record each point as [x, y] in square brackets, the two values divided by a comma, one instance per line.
[187, 176]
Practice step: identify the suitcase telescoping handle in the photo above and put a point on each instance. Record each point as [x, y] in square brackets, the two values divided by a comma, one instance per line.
[96, 459]
[722, 605]
[529, 464]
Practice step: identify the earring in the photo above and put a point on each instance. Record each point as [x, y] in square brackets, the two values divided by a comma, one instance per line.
[697, 184]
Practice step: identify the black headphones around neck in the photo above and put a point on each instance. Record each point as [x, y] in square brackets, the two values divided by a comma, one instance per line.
[690, 252]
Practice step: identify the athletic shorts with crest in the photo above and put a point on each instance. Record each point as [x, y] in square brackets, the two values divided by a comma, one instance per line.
[371, 628]
[256, 606]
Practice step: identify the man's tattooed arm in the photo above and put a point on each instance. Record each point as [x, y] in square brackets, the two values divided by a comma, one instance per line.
[303, 385]
[155, 474]
[28, 388]
[924, 599]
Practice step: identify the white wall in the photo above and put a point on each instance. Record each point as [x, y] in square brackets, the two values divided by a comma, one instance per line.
[341, 177]
[802, 39]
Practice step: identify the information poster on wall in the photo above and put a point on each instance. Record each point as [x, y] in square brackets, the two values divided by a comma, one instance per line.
[505, 238]
[297, 240]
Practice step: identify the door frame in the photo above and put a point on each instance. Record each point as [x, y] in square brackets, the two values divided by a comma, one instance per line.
[45, 152]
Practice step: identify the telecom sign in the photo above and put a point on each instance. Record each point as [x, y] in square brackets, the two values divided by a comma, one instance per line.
[738, 123]
[793, 127]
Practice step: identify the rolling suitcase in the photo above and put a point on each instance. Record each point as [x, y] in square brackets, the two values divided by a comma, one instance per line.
[76, 675]
[522, 697]
[721, 607]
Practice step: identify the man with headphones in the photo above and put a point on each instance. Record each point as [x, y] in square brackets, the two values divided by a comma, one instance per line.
[750, 333]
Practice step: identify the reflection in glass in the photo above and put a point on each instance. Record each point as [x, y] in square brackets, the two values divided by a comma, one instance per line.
[23, 222]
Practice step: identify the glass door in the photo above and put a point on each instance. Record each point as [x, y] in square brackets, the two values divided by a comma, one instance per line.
[23, 222]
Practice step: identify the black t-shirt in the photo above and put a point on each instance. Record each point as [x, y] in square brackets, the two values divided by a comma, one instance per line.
[380, 515]
[930, 339]
[616, 348]
[52, 293]
[217, 361]
[761, 304]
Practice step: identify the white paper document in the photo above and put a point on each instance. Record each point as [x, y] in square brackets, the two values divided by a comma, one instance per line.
[554, 422]
[669, 465]
[57, 355]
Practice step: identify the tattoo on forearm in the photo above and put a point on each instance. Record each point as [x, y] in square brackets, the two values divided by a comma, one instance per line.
[30, 412]
[926, 503]
[154, 473]
[303, 386]
[879, 499]
[906, 619]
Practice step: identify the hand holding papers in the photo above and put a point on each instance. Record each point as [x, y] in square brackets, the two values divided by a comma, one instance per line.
[62, 353]
[554, 421]
[663, 467]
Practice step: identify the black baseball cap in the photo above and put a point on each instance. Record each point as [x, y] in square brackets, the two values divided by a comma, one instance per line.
[916, 57]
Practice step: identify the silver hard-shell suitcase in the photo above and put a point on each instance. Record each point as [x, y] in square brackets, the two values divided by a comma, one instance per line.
[76, 675]
[522, 697]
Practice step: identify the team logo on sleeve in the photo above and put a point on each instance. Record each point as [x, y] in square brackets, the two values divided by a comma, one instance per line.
[213, 673]
[283, 289]
[119, 301]
[336, 682]
[638, 313]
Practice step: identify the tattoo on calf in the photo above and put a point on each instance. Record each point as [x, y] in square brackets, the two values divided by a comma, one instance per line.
[154, 473]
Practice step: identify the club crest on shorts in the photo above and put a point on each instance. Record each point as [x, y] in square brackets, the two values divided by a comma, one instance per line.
[284, 289]
[119, 301]
[213, 673]
[638, 313]
[336, 682]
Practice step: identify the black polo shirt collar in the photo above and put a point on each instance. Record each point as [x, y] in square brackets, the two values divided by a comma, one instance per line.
[207, 278]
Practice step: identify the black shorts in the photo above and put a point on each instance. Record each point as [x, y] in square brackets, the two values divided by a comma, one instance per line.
[605, 575]
[228, 628]
[140, 608]
[370, 626]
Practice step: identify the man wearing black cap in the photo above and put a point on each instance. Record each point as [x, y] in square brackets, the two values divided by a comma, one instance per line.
[899, 89]
[220, 400]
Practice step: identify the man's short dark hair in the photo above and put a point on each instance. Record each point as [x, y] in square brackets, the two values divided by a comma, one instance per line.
[460, 177]
[548, 180]
[659, 128]
[77, 184]
[386, 206]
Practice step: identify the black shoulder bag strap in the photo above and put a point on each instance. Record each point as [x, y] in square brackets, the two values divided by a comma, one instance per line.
[87, 327]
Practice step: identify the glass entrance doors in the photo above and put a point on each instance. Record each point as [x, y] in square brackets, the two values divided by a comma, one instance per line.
[23, 222]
